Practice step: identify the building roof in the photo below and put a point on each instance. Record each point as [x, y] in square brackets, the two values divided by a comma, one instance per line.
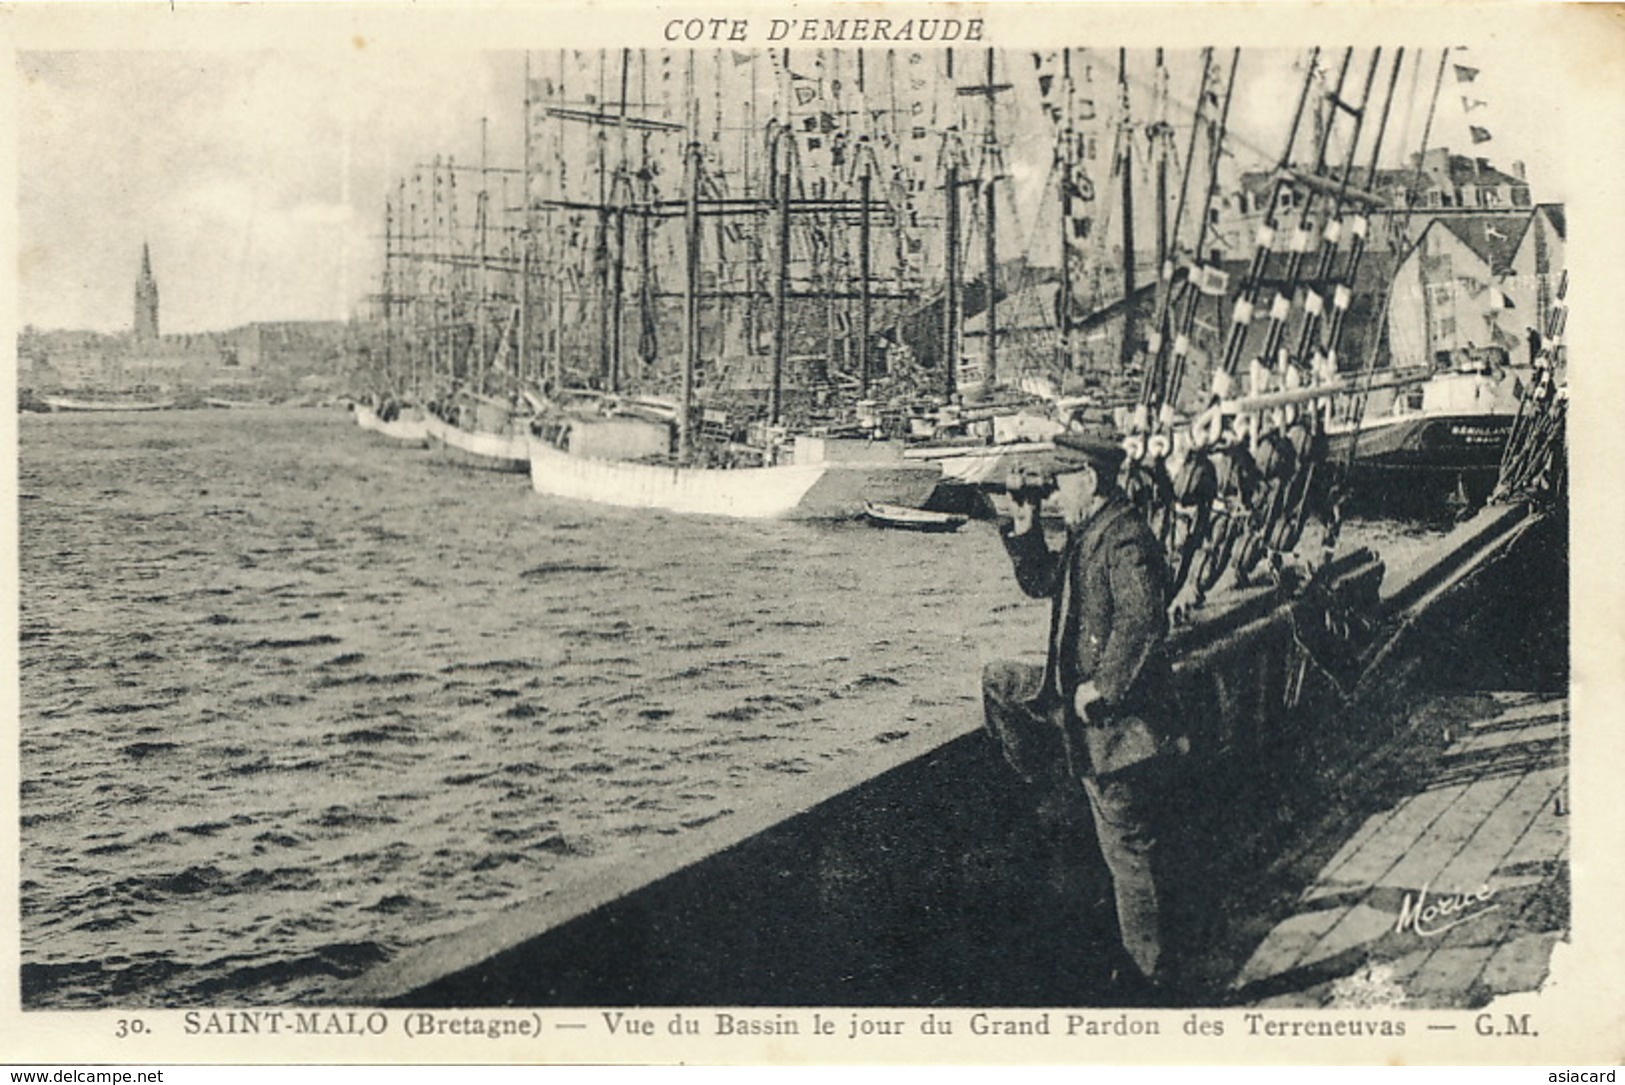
[1494, 237]
[1558, 216]
[1478, 171]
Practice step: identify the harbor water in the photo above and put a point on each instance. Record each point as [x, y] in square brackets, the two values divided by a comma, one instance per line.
[293, 700]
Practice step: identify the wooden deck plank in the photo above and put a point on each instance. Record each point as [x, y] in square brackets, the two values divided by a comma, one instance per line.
[1499, 834]
[1446, 974]
[1519, 964]
[1287, 944]
[1414, 818]
[1328, 882]
[1449, 835]
[1491, 810]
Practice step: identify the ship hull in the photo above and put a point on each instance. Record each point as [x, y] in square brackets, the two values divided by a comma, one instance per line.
[406, 431]
[509, 453]
[66, 403]
[812, 491]
[1445, 443]
[1422, 461]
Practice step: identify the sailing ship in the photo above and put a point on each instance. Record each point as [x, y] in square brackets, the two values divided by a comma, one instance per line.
[1061, 353]
[817, 473]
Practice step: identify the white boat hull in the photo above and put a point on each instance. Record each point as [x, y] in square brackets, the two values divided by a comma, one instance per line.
[405, 430]
[67, 403]
[486, 451]
[813, 491]
[986, 465]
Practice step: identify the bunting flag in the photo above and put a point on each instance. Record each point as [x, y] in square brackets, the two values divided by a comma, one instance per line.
[1078, 189]
[1211, 281]
[1470, 104]
[1465, 74]
[1480, 135]
[1498, 299]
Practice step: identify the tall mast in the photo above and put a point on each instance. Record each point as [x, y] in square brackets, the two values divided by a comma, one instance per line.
[1125, 164]
[781, 322]
[1162, 133]
[865, 182]
[950, 300]
[483, 213]
[991, 254]
[521, 358]
[618, 189]
[414, 272]
[601, 245]
[389, 293]
[991, 162]
[557, 244]
[1068, 167]
[691, 292]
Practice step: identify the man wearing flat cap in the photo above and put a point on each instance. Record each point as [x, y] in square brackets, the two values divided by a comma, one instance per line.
[1097, 713]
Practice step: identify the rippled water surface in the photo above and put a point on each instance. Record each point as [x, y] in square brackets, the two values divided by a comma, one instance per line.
[294, 700]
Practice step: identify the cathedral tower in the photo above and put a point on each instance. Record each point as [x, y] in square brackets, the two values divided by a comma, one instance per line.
[146, 299]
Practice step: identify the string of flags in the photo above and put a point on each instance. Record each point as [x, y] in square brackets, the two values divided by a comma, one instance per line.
[1465, 74]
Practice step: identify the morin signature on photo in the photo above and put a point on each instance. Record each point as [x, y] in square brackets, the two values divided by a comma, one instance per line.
[1431, 918]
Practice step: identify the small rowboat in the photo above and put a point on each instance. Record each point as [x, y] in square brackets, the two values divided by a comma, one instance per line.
[900, 516]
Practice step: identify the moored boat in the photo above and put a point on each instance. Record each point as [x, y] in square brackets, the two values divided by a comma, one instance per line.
[911, 519]
[236, 404]
[507, 451]
[1451, 429]
[829, 478]
[69, 403]
[407, 429]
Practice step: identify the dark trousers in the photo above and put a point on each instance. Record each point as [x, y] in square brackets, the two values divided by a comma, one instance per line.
[1122, 805]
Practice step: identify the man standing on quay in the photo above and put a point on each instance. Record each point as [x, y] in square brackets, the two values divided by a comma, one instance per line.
[1097, 712]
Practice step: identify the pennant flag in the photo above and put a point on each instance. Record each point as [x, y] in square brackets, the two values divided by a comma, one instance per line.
[1465, 74]
[1480, 135]
[1212, 281]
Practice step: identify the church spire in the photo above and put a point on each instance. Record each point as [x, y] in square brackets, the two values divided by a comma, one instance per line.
[146, 298]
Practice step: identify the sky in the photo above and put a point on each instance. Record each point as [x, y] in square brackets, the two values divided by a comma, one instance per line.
[258, 178]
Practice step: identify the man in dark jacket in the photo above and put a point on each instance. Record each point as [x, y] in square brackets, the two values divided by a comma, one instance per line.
[1097, 712]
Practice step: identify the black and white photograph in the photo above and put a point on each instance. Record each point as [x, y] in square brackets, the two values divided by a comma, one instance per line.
[920, 532]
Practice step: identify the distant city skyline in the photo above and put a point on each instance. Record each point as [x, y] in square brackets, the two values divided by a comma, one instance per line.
[258, 179]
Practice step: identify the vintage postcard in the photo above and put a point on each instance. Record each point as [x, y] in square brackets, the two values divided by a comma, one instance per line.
[812, 533]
